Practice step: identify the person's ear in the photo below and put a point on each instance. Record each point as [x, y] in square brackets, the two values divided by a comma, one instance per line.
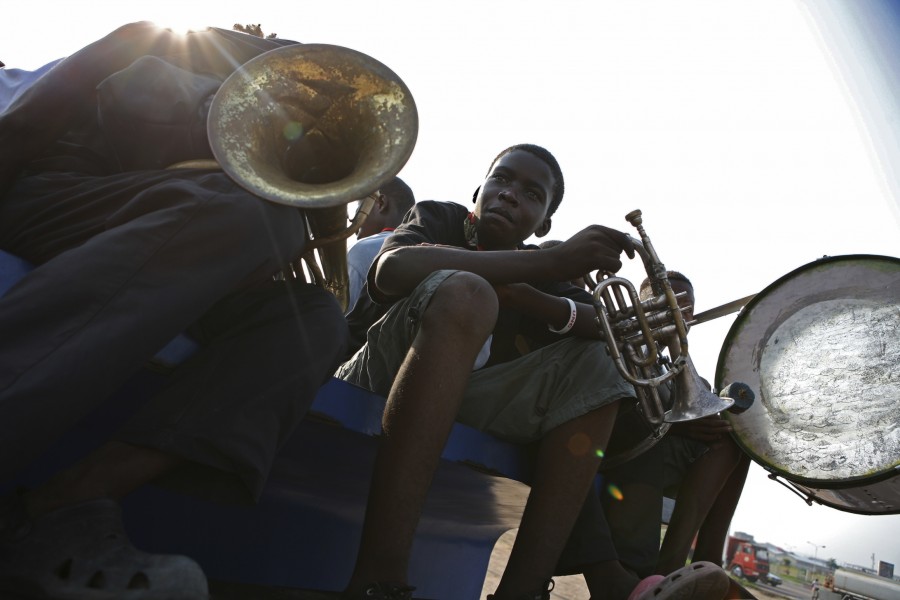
[543, 229]
[381, 202]
[475, 195]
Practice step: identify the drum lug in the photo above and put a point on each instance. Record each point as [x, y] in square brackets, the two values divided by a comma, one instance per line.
[808, 498]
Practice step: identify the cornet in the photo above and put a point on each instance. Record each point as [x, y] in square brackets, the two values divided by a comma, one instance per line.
[636, 331]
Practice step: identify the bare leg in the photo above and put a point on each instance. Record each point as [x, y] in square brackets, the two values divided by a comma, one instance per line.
[421, 408]
[112, 471]
[711, 538]
[634, 522]
[566, 465]
[702, 484]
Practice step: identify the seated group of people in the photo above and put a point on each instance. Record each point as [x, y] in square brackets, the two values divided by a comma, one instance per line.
[460, 321]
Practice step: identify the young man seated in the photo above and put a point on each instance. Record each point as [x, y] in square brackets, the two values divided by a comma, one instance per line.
[392, 201]
[461, 282]
[699, 464]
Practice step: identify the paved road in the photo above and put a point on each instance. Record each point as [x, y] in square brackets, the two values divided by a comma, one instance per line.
[788, 589]
[792, 591]
[574, 588]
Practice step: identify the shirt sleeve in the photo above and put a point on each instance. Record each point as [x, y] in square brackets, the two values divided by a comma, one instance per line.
[428, 222]
[359, 258]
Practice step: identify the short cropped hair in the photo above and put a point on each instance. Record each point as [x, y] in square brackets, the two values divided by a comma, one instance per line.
[543, 154]
[646, 291]
[401, 195]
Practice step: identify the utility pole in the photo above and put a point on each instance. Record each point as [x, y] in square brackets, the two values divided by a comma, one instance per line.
[817, 546]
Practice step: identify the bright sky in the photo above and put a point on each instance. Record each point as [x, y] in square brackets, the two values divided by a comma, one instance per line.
[737, 127]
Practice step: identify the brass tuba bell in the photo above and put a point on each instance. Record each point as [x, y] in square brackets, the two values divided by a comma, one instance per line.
[314, 126]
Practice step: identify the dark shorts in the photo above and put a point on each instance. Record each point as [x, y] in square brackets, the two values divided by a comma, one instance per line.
[663, 466]
[520, 400]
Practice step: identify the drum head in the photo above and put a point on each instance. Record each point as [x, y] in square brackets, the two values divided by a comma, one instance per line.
[820, 348]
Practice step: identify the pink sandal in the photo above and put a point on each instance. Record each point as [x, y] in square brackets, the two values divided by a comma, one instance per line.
[697, 581]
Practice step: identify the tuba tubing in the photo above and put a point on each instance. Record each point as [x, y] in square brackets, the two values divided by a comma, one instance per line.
[332, 249]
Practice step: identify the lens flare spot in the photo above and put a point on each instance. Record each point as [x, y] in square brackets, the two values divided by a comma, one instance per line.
[615, 492]
[580, 444]
[293, 131]
[600, 453]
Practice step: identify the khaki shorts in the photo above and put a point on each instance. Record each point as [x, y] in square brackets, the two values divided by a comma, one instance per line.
[520, 400]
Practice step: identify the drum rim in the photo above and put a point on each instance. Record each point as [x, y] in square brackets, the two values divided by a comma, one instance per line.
[814, 493]
[843, 483]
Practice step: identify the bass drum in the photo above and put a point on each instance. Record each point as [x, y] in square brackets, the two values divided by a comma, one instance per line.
[820, 348]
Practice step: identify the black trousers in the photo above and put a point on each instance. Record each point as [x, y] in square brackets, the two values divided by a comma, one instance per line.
[125, 263]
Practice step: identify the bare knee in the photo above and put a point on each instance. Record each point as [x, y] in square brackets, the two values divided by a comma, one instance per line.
[464, 304]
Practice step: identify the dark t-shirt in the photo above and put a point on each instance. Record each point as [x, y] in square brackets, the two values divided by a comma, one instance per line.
[434, 222]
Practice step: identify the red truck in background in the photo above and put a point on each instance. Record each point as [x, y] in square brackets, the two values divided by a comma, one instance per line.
[744, 559]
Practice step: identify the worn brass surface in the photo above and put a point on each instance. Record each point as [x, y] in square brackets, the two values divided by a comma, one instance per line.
[314, 126]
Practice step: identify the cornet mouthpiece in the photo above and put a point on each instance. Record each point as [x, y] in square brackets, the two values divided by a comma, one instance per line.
[634, 217]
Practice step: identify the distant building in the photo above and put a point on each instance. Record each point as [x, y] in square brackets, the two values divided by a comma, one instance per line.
[796, 565]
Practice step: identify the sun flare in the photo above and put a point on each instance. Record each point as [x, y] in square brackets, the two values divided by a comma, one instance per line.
[183, 27]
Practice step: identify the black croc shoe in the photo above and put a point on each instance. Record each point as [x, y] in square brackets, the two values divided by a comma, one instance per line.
[543, 595]
[80, 552]
[383, 591]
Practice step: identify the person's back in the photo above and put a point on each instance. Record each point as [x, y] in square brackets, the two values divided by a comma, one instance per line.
[13, 82]
[128, 254]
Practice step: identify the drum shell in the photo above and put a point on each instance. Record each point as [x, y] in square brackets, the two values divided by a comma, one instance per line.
[820, 349]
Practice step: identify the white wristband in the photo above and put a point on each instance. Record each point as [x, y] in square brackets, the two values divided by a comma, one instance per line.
[572, 316]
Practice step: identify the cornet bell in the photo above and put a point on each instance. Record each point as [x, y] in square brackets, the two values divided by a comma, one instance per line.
[692, 399]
